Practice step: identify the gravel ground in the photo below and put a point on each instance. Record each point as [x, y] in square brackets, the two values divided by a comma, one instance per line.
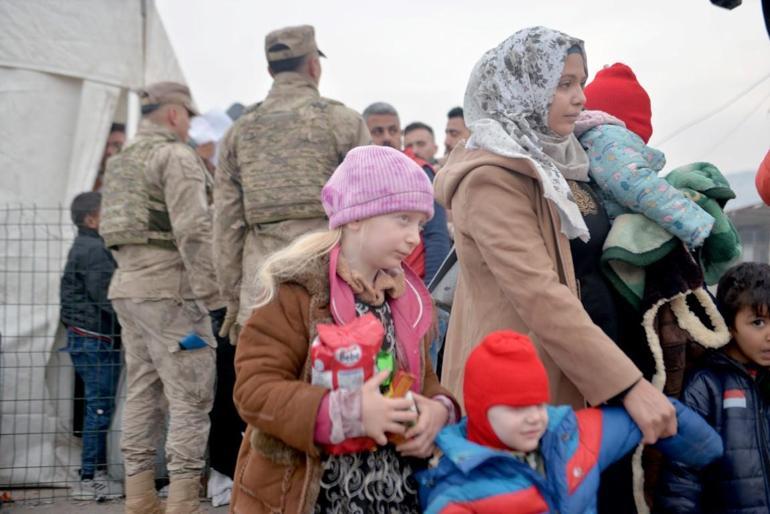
[61, 505]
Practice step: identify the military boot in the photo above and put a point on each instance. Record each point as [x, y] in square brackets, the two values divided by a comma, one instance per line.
[141, 497]
[184, 496]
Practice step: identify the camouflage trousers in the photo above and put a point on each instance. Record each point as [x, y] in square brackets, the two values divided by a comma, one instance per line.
[157, 368]
[261, 241]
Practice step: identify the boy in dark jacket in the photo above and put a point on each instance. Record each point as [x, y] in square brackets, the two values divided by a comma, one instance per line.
[514, 453]
[93, 336]
[731, 390]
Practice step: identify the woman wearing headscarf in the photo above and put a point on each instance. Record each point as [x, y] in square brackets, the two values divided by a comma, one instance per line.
[521, 201]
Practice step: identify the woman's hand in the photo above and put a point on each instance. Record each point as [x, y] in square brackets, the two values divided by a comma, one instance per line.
[433, 416]
[379, 414]
[653, 413]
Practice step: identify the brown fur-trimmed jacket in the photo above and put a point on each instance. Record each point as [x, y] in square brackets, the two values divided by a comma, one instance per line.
[279, 465]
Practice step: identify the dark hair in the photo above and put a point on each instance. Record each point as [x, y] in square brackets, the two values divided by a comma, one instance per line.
[291, 64]
[118, 127]
[455, 112]
[83, 205]
[417, 125]
[746, 284]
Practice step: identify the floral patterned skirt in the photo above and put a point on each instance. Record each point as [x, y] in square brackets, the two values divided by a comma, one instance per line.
[378, 482]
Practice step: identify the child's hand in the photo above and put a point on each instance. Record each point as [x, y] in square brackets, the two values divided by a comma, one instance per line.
[433, 416]
[380, 414]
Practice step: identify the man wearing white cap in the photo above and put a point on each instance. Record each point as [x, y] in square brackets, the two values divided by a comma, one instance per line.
[206, 131]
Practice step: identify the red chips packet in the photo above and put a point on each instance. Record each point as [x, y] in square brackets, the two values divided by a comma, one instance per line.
[344, 357]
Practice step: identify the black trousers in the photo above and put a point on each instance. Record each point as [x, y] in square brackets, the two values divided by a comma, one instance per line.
[226, 426]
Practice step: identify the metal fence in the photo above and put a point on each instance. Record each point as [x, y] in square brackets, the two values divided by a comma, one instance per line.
[41, 396]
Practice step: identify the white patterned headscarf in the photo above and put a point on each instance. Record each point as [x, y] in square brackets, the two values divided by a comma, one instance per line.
[506, 108]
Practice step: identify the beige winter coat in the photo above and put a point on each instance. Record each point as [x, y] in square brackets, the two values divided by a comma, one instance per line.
[516, 273]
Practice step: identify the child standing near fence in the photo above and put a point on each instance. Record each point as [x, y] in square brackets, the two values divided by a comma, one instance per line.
[514, 453]
[376, 201]
[93, 342]
[731, 390]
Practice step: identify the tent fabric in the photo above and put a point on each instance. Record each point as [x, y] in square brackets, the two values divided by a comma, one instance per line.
[92, 40]
[67, 71]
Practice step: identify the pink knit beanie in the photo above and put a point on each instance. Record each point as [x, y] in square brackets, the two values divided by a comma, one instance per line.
[375, 180]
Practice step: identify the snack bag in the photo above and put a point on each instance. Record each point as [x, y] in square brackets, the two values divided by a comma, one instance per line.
[344, 357]
[347, 356]
[400, 388]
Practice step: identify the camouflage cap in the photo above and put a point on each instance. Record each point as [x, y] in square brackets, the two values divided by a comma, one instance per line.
[290, 42]
[160, 93]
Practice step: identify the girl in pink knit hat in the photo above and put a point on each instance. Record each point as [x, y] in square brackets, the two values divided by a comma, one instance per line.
[377, 200]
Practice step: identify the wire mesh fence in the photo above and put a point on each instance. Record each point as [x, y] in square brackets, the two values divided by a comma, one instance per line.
[60, 392]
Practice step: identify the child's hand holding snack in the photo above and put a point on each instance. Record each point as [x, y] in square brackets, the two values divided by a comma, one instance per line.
[433, 416]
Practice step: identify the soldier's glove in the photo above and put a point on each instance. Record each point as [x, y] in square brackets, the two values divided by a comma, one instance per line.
[218, 318]
[230, 328]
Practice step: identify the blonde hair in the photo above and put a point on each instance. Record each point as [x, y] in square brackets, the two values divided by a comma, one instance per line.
[293, 259]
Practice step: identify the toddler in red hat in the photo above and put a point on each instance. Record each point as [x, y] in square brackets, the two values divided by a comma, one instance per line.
[516, 453]
[614, 131]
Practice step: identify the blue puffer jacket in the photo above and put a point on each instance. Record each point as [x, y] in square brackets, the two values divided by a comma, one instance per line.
[575, 448]
[626, 171]
[725, 394]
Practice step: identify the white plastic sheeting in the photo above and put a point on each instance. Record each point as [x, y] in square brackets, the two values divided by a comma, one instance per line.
[67, 70]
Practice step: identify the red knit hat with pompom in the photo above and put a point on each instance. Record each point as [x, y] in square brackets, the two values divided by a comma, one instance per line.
[504, 369]
[616, 91]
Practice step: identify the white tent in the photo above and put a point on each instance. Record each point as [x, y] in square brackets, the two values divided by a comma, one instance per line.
[67, 71]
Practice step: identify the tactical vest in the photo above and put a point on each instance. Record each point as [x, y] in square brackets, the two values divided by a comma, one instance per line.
[134, 211]
[285, 158]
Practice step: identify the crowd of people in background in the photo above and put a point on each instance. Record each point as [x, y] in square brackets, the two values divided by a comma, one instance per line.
[584, 365]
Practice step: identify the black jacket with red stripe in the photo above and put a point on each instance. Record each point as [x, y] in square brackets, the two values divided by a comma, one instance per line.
[734, 400]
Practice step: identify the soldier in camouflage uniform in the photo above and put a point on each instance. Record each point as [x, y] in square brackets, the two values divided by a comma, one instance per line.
[273, 164]
[157, 221]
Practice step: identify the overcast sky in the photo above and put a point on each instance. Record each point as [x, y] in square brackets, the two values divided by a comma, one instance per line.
[690, 56]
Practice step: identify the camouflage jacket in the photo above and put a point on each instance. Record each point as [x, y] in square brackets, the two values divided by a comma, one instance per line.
[182, 269]
[273, 163]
